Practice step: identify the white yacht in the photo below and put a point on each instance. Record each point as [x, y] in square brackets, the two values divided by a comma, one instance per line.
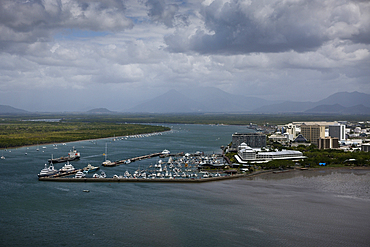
[48, 171]
[80, 174]
[67, 168]
[90, 168]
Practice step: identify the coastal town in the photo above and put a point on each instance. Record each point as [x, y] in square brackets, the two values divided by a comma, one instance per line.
[262, 148]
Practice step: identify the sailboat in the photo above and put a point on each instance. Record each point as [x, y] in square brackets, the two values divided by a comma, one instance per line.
[37, 149]
[106, 161]
[2, 156]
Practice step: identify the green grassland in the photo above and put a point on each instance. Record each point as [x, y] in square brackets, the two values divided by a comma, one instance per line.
[16, 133]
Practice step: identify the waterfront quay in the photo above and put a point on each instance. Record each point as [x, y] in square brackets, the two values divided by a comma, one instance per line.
[179, 167]
[133, 180]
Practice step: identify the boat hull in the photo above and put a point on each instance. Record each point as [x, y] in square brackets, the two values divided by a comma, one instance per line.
[63, 159]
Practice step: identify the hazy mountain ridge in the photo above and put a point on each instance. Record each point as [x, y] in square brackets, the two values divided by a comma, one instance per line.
[5, 109]
[170, 102]
[199, 100]
[331, 104]
[214, 100]
[339, 109]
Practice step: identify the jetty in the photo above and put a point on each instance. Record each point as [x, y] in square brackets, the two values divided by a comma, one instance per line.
[135, 180]
[142, 157]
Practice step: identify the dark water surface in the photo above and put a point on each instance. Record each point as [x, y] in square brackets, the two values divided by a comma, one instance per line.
[324, 208]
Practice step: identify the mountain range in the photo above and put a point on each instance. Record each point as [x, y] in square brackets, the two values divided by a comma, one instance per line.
[214, 100]
[207, 99]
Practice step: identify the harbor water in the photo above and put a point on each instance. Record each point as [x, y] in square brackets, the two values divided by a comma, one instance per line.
[301, 208]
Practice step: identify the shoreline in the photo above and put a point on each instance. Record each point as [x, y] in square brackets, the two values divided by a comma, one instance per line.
[33, 145]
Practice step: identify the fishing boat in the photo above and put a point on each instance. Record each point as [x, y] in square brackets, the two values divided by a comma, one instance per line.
[72, 155]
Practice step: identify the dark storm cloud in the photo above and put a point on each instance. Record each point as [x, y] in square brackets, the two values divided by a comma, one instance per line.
[25, 22]
[240, 27]
[160, 11]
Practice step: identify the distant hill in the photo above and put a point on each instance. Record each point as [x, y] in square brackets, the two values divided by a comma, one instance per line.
[170, 102]
[347, 99]
[202, 99]
[339, 109]
[215, 100]
[341, 103]
[285, 107]
[100, 111]
[5, 109]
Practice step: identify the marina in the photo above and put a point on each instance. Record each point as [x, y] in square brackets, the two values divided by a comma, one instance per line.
[178, 167]
[259, 210]
[135, 180]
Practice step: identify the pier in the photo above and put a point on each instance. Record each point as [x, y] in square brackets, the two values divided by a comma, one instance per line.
[148, 156]
[135, 180]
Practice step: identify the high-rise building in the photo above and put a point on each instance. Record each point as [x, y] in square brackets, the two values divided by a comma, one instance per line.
[338, 131]
[313, 132]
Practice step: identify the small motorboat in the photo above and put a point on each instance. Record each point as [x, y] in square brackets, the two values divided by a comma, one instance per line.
[80, 174]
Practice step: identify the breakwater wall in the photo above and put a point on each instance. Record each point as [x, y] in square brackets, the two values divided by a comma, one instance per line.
[140, 180]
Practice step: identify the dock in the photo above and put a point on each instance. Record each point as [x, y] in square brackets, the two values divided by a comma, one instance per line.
[148, 156]
[142, 157]
[141, 180]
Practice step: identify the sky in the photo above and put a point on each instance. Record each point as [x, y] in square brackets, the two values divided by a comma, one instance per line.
[73, 55]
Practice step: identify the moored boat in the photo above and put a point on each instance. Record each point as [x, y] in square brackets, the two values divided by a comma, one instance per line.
[72, 155]
[107, 162]
[67, 168]
[90, 168]
[48, 171]
[80, 174]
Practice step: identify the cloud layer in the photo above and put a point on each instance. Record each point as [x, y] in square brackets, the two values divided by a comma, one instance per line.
[77, 53]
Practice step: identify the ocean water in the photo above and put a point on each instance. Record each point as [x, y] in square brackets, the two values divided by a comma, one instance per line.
[304, 208]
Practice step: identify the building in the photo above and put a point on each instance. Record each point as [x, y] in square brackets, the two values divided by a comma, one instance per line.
[365, 147]
[328, 142]
[279, 138]
[247, 154]
[313, 132]
[338, 131]
[254, 140]
[291, 129]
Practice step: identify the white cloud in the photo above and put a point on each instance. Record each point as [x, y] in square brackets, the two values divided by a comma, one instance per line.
[137, 50]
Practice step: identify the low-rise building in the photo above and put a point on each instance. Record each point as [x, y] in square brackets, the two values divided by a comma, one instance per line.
[328, 143]
[279, 138]
[254, 140]
[247, 154]
[365, 147]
